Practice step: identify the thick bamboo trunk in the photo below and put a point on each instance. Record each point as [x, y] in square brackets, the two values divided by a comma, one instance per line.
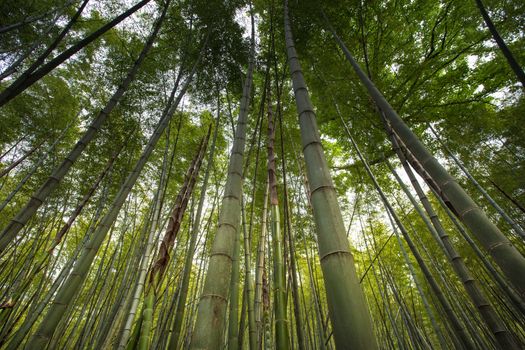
[349, 313]
[211, 314]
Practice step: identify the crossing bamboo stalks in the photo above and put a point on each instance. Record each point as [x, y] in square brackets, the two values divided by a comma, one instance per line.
[13, 165]
[480, 188]
[279, 281]
[261, 247]
[511, 60]
[71, 286]
[496, 275]
[42, 57]
[129, 316]
[451, 316]
[477, 296]
[39, 197]
[158, 269]
[26, 80]
[509, 259]
[40, 161]
[183, 293]
[485, 308]
[63, 231]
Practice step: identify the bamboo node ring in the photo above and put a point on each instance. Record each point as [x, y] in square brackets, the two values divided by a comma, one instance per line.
[217, 296]
[497, 244]
[334, 252]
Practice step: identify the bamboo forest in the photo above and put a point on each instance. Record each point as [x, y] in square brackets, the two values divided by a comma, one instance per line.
[251, 174]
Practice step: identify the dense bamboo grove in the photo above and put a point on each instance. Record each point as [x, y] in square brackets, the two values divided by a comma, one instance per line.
[190, 174]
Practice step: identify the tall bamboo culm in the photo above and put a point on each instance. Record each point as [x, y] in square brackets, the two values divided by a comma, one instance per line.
[282, 336]
[351, 322]
[484, 306]
[517, 229]
[161, 262]
[183, 293]
[211, 313]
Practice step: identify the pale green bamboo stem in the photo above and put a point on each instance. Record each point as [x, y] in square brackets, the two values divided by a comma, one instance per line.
[183, 293]
[451, 316]
[261, 245]
[346, 301]
[485, 308]
[517, 229]
[211, 313]
[145, 261]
